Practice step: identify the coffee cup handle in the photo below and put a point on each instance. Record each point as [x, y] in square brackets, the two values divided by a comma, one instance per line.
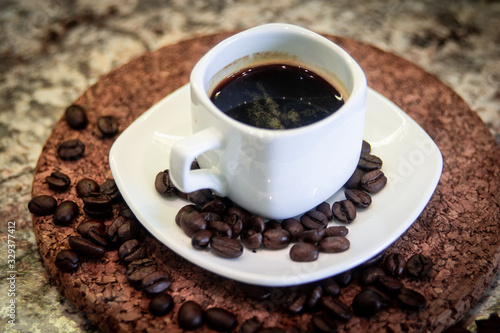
[183, 154]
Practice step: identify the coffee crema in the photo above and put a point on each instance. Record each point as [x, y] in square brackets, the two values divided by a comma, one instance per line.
[277, 96]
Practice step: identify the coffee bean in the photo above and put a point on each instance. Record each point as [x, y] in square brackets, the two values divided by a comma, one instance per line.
[334, 244]
[395, 265]
[389, 284]
[42, 205]
[312, 236]
[211, 217]
[220, 228]
[139, 269]
[226, 247]
[418, 266]
[156, 282]
[314, 297]
[251, 325]
[164, 185]
[344, 279]
[369, 162]
[359, 198]
[190, 315]
[110, 189]
[184, 210]
[294, 227]
[251, 239]
[296, 302]
[192, 222]
[323, 324]
[217, 206]
[98, 237]
[97, 202]
[325, 208]
[58, 181]
[330, 286]
[76, 117]
[368, 302]
[235, 223]
[370, 275]
[131, 250]
[275, 239]
[314, 219]
[375, 260]
[336, 308]
[366, 148]
[71, 150]
[336, 231]
[86, 186]
[258, 293]
[220, 319]
[201, 197]
[123, 229]
[373, 181]
[411, 299]
[161, 304]
[344, 211]
[127, 213]
[304, 252]
[201, 239]
[272, 224]
[257, 223]
[65, 213]
[85, 227]
[354, 181]
[108, 125]
[86, 248]
[67, 261]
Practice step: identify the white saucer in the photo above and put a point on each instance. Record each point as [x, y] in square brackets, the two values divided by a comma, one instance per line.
[412, 163]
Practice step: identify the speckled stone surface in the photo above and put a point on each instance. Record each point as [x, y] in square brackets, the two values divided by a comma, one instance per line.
[52, 51]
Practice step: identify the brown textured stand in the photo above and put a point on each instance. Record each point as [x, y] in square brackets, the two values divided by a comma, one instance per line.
[459, 229]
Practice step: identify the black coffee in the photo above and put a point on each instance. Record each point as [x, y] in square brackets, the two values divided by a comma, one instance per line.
[277, 97]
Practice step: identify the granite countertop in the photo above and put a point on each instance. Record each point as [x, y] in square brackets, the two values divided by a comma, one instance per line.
[51, 51]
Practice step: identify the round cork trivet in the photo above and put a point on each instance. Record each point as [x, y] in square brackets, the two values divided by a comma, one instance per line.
[459, 229]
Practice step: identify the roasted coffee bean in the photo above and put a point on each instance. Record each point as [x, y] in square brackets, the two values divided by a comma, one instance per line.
[139, 269]
[296, 302]
[330, 286]
[276, 239]
[123, 229]
[272, 224]
[161, 304]
[156, 282]
[109, 188]
[336, 231]
[71, 150]
[235, 223]
[251, 239]
[395, 265]
[86, 248]
[220, 319]
[190, 315]
[336, 308]
[67, 261]
[411, 299]
[334, 244]
[76, 117]
[86, 186]
[163, 184]
[369, 302]
[192, 222]
[304, 252]
[210, 217]
[242, 214]
[201, 239]
[250, 325]
[58, 181]
[85, 227]
[314, 219]
[354, 181]
[108, 125]
[65, 213]
[344, 211]
[184, 210]
[418, 266]
[201, 197]
[98, 237]
[217, 206]
[294, 227]
[127, 213]
[312, 236]
[226, 247]
[220, 228]
[257, 223]
[375, 260]
[368, 162]
[323, 324]
[389, 284]
[359, 198]
[42, 205]
[314, 297]
[373, 181]
[366, 148]
[370, 275]
[97, 202]
[325, 208]
[131, 250]
[258, 293]
[344, 279]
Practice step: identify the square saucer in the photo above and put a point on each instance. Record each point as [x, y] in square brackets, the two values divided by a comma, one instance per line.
[412, 164]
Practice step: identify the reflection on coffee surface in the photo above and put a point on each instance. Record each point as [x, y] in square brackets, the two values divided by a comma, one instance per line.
[277, 96]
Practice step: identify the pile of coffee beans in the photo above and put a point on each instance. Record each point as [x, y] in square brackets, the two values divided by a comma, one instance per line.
[217, 224]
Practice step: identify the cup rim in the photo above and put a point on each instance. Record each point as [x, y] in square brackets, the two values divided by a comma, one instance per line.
[197, 77]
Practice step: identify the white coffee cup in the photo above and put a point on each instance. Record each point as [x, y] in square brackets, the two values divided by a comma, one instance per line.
[273, 173]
